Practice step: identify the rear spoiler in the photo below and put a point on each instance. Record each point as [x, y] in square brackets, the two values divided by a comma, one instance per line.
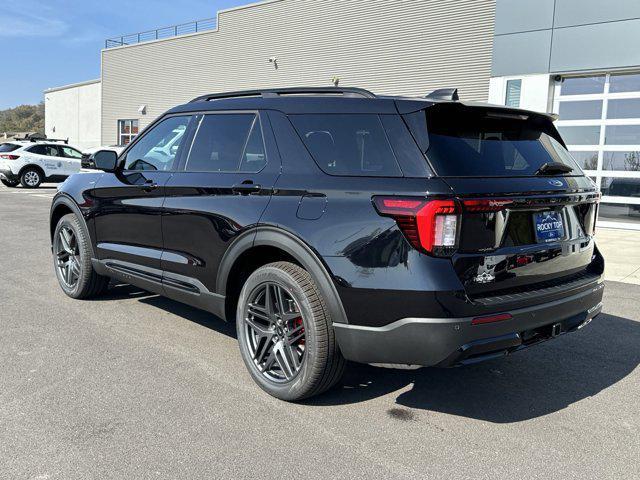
[439, 97]
[519, 111]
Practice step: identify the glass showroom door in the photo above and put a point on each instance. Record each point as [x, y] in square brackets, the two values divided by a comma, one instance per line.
[600, 122]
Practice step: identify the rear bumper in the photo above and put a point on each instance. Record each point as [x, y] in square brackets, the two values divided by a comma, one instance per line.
[455, 341]
[8, 174]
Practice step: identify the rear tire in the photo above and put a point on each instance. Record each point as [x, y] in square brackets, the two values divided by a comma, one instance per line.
[72, 260]
[31, 177]
[9, 183]
[320, 366]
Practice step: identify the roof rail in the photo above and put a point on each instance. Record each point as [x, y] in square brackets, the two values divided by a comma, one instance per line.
[444, 94]
[38, 137]
[276, 92]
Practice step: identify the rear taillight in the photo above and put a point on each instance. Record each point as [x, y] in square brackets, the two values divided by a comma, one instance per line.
[429, 225]
[9, 157]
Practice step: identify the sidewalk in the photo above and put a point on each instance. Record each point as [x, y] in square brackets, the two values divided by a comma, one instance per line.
[621, 250]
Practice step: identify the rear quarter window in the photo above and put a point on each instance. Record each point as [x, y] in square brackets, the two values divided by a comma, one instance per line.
[348, 144]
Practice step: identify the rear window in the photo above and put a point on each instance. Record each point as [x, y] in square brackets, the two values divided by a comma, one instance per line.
[8, 147]
[348, 144]
[475, 142]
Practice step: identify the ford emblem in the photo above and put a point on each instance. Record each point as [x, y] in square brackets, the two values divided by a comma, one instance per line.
[556, 183]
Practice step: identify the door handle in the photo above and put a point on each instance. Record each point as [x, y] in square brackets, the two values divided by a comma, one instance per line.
[246, 188]
[149, 186]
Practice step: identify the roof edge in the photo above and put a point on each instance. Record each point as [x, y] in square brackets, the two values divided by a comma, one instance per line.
[204, 32]
[72, 85]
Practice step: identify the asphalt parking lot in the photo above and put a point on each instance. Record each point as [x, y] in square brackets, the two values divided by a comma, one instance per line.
[136, 386]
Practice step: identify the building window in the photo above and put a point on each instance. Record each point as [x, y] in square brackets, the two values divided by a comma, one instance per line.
[127, 131]
[512, 98]
[600, 122]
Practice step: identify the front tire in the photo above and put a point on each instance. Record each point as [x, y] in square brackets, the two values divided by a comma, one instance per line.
[31, 178]
[9, 183]
[72, 260]
[285, 333]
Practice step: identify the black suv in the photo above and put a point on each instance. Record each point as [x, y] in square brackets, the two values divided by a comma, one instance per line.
[335, 224]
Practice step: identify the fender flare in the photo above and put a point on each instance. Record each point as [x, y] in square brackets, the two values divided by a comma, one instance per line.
[299, 250]
[63, 199]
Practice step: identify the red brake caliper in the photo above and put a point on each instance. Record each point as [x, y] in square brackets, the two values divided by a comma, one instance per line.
[298, 323]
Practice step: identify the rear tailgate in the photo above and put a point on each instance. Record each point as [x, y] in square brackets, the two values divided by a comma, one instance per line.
[526, 211]
[532, 239]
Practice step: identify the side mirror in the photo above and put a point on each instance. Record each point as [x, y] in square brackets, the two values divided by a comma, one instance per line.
[105, 160]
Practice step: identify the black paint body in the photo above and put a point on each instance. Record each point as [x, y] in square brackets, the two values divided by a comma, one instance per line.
[180, 234]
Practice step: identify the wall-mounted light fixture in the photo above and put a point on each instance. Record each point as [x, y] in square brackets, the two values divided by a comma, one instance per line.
[142, 109]
[274, 60]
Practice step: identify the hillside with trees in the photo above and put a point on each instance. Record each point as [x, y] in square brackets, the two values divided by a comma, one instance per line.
[25, 118]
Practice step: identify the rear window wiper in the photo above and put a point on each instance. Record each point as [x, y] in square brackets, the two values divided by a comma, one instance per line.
[552, 168]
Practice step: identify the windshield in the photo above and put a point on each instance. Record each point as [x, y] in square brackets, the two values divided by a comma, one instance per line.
[477, 142]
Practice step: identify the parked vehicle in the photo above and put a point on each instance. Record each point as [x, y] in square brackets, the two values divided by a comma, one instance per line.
[334, 224]
[31, 162]
[87, 155]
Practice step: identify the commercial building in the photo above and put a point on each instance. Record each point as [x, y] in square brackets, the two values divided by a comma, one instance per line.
[578, 58]
[390, 46]
[73, 112]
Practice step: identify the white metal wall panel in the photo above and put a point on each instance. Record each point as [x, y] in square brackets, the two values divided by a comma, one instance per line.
[387, 46]
[73, 112]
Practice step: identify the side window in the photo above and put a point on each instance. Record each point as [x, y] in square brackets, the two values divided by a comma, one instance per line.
[227, 143]
[48, 150]
[349, 144]
[54, 151]
[158, 148]
[38, 150]
[71, 152]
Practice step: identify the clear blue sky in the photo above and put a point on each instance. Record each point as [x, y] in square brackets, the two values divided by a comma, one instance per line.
[48, 43]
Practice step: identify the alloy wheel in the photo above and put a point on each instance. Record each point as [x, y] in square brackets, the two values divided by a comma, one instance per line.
[275, 332]
[31, 178]
[67, 254]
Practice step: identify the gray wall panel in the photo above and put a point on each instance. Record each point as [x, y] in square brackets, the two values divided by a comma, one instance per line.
[580, 12]
[523, 15]
[521, 53]
[599, 46]
[388, 46]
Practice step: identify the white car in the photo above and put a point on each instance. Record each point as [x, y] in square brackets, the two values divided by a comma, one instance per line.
[32, 162]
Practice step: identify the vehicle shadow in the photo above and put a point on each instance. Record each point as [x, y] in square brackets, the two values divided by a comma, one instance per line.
[124, 291]
[529, 384]
[206, 319]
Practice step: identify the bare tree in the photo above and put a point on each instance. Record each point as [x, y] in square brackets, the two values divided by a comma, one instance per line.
[591, 163]
[632, 161]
